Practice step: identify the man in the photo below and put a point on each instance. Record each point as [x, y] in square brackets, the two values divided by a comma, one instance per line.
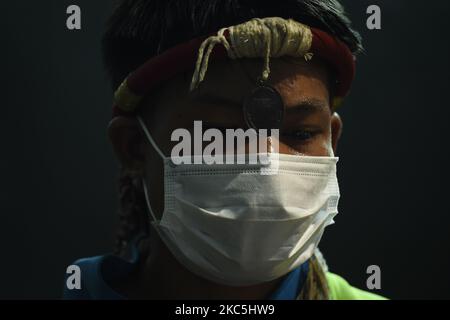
[229, 64]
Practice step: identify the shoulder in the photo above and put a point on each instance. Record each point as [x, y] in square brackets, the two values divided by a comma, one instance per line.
[82, 278]
[340, 289]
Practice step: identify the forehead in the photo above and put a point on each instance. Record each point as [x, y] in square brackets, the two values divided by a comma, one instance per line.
[230, 81]
[288, 75]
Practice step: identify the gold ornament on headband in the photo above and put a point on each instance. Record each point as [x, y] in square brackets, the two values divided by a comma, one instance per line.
[125, 98]
[266, 37]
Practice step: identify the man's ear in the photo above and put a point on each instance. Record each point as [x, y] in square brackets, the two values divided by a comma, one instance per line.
[336, 130]
[127, 141]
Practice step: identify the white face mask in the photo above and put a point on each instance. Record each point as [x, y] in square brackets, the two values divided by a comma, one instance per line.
[236, 225]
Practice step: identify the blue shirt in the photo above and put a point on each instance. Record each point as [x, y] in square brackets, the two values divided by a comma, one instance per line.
[97, 272]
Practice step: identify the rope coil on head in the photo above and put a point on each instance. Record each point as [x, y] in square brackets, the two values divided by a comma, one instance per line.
[267, 37]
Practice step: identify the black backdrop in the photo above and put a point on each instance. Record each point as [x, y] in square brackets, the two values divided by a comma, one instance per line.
[58, 197]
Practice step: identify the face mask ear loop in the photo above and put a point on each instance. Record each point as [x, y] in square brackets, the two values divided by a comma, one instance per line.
[149, 137]
[144, 185]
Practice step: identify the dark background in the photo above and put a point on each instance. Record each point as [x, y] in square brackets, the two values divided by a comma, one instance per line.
[58, 192]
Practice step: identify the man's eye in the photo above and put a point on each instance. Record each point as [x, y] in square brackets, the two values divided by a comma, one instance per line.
[301, 135]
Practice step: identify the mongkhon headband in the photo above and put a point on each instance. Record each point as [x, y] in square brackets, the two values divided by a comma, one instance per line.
[267, 37]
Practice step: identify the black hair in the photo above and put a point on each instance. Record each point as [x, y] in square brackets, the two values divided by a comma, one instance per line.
[140, 29]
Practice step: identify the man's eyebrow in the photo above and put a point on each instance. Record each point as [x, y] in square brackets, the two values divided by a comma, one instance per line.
[308, 106]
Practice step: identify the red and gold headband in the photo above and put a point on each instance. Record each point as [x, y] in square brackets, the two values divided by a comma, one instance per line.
[268, 37]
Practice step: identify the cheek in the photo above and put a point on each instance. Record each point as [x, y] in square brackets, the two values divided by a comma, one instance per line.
[324, 145]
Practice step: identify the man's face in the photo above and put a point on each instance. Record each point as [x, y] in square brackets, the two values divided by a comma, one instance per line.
[309, 127]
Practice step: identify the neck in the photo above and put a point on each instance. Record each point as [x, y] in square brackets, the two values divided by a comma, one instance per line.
[163, 277]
